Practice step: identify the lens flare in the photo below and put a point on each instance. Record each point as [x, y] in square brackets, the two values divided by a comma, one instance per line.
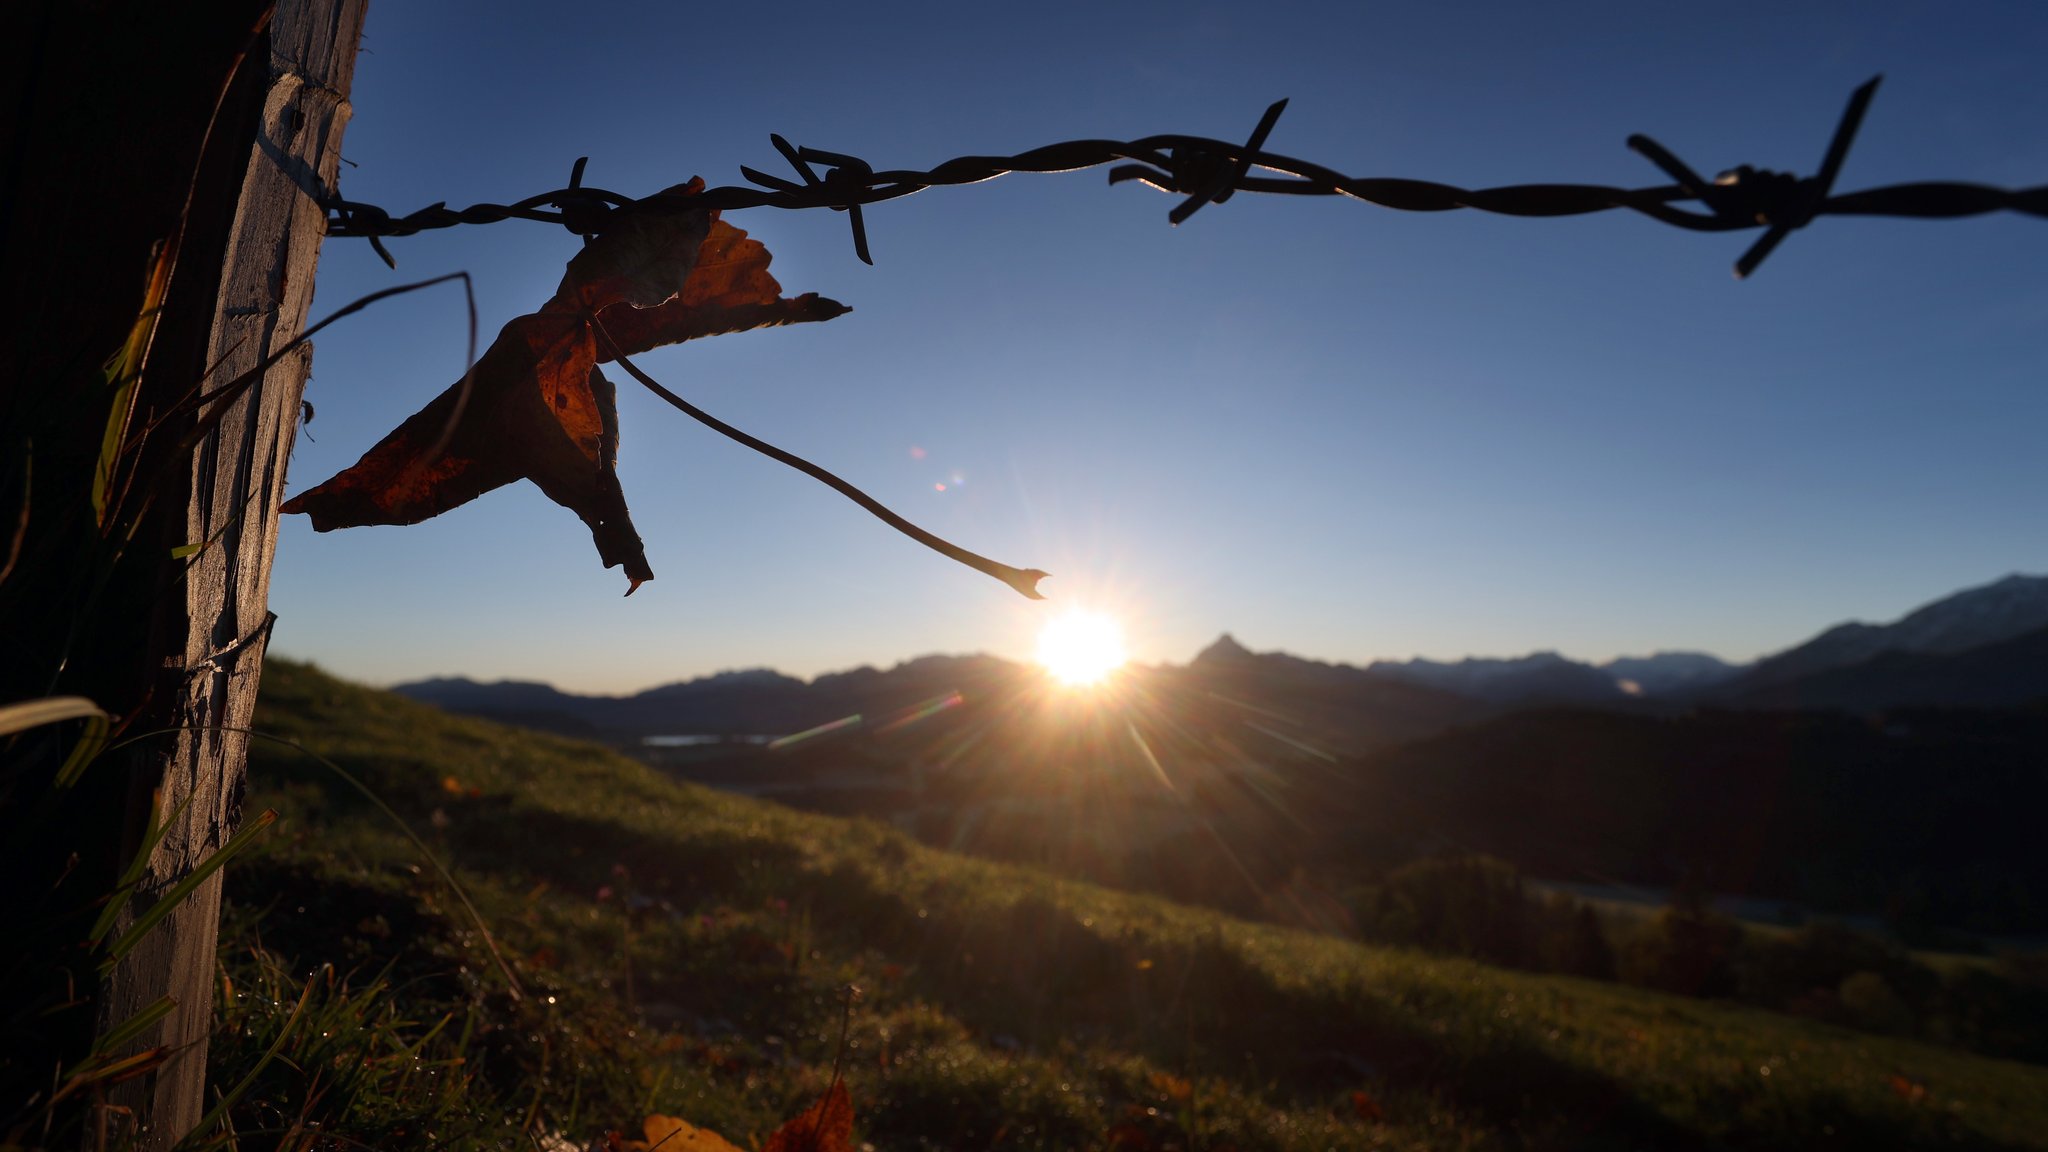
[1081, 648]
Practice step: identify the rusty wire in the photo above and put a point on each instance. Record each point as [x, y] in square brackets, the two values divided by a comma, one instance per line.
[1207, 171]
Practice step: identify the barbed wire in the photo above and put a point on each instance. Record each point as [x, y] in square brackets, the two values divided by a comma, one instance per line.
[1208, 171]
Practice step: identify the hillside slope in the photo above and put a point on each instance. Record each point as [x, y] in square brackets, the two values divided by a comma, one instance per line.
[1825, 810]
[1972, 618]
[680, 952]
[2005, 674]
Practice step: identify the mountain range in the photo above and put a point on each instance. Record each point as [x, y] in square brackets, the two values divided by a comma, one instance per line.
[1860, 662]
[1220, 779]
[753, 702]
[1981, 647]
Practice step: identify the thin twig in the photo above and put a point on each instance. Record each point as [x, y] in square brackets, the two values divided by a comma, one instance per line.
[240, 384]
[1024, 580]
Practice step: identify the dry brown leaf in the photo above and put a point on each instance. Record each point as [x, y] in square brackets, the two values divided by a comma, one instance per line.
[1129, 1135]
[537, 408]
[1367, 1108]
[730, 290]
[673, 1134]
[1169, 1086]
[826, 1126]
[643, 257]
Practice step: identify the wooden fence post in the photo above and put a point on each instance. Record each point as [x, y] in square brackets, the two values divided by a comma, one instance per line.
[212, 625]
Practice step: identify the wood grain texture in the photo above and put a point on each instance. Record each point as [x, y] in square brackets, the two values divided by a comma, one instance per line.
[217, 624]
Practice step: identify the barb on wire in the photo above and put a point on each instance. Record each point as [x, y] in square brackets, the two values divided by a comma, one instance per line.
[1227, 175]
[1779, 201]
[1206, 171]
[848, 174]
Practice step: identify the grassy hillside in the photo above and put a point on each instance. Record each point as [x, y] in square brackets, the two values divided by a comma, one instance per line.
[683, 951]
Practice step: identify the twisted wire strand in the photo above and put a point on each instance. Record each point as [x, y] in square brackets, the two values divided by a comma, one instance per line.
[1206, 170]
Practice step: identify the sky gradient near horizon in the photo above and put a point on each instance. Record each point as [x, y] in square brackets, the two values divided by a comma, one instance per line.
[1322, 426]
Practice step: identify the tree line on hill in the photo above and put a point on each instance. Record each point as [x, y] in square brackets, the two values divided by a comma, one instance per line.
[1480, 907]
[1930, 817]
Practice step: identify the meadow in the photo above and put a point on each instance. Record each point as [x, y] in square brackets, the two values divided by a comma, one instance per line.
[690, 953]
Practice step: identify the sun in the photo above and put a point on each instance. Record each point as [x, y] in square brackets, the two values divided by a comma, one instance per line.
[1081, 648]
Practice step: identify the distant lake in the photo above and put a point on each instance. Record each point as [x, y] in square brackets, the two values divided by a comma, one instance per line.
[698, 741]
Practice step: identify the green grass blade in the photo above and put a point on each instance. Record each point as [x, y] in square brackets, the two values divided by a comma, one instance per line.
[220, 1108]
[123, 371]
[134, 1026]
[196, 547]
[50, 710]
[184, 888]
[490, 941]
[89, 745]
[27, 714]
[151, 836]
[447, 877]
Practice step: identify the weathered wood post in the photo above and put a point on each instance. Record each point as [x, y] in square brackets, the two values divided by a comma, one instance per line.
[132, 124]
[214, 635]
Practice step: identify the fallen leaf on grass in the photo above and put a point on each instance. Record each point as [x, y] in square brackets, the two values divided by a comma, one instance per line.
[1367, 1108]
[1126, 1135]
[671, 1134]
[1170, 1087]
[826, 1126]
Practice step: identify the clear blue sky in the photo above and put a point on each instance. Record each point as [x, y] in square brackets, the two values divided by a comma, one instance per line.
[1323, 426]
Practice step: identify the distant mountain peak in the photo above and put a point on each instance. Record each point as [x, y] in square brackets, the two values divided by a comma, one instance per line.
[2006, 607]
[1973, 618]
[1225, 648]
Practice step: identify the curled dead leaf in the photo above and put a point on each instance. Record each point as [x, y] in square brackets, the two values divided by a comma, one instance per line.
[643, 257]
[536, 407]
[728, 290]
[826, 1126]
